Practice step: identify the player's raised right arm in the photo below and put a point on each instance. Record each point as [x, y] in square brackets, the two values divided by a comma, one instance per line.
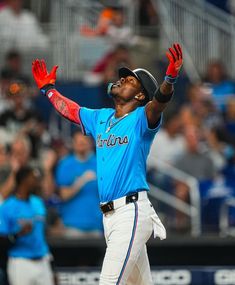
[46, 83]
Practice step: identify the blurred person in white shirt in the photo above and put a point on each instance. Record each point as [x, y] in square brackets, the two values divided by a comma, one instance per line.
[19, 28]
[169, 143]
[118, 31]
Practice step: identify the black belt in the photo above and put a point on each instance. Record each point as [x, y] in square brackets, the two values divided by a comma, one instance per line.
[36, 258]
[110, 205]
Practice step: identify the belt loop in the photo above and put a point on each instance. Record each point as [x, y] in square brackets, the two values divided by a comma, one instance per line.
[132, 198]
[113, 205]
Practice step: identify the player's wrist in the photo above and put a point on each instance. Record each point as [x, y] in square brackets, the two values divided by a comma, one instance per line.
[47, 88]
[171, 79]
[162, 98]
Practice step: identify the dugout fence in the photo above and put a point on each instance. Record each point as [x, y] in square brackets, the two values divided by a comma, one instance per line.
[191, 209]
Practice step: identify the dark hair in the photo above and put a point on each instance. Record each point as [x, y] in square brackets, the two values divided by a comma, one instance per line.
[123, 47]
[12, 54]
[169, 117]
[23, 173]
[6, 74]
[77, 131]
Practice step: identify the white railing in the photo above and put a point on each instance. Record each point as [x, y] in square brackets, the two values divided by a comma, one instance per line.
[204, 31]
[193, 210]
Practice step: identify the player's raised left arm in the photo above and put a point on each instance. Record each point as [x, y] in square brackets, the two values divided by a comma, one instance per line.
[46, 83]
[164, 94]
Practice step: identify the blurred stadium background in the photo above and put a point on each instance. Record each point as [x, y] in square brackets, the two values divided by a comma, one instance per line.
[191, 168]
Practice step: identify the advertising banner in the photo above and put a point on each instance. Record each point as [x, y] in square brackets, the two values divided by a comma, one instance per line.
[161, 276]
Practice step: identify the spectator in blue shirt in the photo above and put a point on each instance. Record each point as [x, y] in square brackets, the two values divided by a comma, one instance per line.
[76, 178]
[22, 225]
[220, 86]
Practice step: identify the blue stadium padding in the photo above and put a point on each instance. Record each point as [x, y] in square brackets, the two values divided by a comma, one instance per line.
[213, 195]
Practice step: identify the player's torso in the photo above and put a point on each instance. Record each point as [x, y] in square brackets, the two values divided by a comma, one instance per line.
[120, 149]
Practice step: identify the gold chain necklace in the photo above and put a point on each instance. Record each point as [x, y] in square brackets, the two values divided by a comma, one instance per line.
[111, 124]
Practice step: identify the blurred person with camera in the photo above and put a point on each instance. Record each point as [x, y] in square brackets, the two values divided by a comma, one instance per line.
[23, 231]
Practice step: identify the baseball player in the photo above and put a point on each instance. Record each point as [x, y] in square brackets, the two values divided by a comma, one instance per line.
[22, 225]
[123, 137]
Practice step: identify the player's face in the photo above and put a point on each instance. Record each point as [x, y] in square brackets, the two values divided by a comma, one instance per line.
[126, 88]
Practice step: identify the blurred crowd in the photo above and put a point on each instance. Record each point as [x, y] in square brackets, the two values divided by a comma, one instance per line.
[20, 28]
[197, 136]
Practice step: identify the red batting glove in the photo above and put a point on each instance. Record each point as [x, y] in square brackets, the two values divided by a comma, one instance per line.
[41, 75]
[175, 57]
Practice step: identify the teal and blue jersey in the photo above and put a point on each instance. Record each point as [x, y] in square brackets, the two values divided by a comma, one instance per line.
[122, 147]
[81, 211]
[13, 213]
[221, 93]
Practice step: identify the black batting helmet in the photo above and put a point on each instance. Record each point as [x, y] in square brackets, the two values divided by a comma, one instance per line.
[147, 81]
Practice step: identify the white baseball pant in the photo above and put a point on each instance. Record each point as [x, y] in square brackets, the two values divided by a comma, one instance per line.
[22, 271]
[127, 229]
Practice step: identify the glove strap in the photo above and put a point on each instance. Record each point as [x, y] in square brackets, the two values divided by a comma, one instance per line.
[162, 98]
[170, 80]
[46, 88]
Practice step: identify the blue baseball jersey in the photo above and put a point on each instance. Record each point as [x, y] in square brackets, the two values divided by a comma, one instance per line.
[81, 211]
[122, 147]
[13, 213]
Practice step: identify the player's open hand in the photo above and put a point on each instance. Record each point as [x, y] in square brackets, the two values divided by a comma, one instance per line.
[41, 75]
[175, 57]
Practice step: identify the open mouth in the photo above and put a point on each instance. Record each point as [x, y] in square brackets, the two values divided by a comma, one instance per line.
[111, 86]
